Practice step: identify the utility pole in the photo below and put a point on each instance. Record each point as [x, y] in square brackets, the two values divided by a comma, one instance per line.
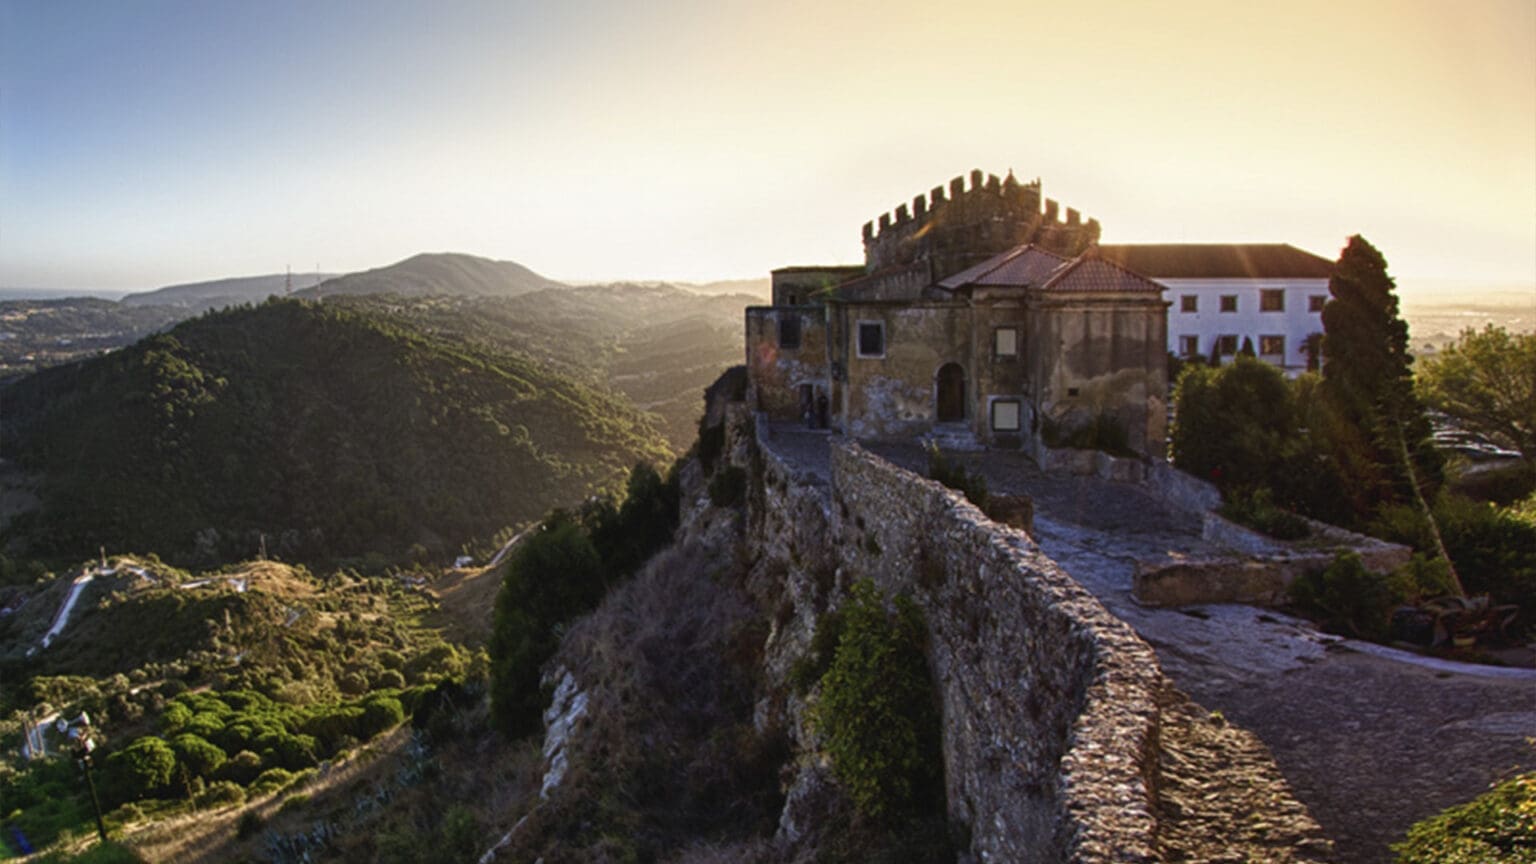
[79, 731]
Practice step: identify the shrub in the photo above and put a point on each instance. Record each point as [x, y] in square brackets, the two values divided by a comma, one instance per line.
[877, 709]
[1352, 599]
[1102, 432]
[142, 769]
[551, 578]
[728, 488]
[954, 475]
[242, 768]
[1497, 827]
[221, 793]
[1256, 509]
[269, 781]
[380, 714]
[810, 668]
[250, 822]
[200, 758]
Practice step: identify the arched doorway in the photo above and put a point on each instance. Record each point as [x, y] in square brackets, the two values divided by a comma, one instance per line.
[951, 393]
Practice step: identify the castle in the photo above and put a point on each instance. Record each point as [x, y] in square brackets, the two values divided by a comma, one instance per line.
[980, 317]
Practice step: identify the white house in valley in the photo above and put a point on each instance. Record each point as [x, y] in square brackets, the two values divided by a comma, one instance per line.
[1222, 295]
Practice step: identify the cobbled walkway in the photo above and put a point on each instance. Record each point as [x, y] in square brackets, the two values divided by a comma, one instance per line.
[1370, 744]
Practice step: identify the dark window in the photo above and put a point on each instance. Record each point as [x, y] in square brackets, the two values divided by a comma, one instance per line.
[1272, 346]
[871, 339]
[1226, 346]
[789, 332]
[1189, 303]
[1229, 302]
[792, 299]
[1316, 302]
[1272, 300]
[1189, 346]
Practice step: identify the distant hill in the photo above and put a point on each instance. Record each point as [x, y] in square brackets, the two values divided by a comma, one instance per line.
[332, 431]
[432, 274]
[659, 345]
[219, 293]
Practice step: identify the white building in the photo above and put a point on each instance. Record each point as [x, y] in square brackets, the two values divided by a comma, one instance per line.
[1225, 295]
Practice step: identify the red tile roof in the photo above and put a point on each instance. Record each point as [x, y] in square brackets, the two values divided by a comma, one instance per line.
[1216, 260]
[1024, 265]
[1092, 275]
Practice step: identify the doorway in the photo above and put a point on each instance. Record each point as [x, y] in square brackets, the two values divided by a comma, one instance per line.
[951, 393]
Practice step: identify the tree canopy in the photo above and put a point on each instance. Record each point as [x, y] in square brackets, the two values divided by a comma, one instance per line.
[1487, 381]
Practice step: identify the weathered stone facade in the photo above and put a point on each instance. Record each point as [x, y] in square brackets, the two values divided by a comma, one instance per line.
[958, 325]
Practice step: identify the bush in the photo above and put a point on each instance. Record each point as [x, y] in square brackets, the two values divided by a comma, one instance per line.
[551, 578]
[728, 488]
[1102, 432]
[380, 714]
[954, 475]
[1351, 599]
[269, 781]
[242, 768]
[1256, 509]
[1497, 827]
[250, 823]
[877, 710]
[221, 793]
[809, 669]
[197, 756]
[140, 770]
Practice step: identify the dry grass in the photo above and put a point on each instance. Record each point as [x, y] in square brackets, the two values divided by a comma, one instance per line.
[466, 604]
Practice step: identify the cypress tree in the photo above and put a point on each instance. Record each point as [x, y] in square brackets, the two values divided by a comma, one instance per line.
[1367, 376]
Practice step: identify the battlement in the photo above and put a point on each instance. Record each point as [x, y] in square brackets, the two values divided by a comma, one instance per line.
[954, 228]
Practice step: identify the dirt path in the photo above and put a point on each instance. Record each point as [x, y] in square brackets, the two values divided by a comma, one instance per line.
[1370, 744]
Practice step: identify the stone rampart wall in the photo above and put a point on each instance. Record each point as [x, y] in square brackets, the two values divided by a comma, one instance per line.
[1050, 703]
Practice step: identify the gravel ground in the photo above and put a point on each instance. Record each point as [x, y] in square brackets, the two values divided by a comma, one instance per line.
[1370, 744]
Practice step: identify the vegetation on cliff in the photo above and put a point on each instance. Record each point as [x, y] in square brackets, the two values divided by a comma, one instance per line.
[325, 433]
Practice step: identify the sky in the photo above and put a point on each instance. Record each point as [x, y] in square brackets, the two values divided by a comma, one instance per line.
[151, 142]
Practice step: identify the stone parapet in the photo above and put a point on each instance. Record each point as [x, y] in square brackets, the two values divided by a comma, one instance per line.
[1050, 702]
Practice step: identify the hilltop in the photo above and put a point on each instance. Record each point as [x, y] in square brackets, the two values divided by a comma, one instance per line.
[438, 273]
[325, 431]
[218, 293]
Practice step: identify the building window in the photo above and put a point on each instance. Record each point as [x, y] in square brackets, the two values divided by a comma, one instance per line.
[1005, 415]
[1005, 342]
[1272, 300]
[792, 299]
[789, 333]
[1226, 346]
[1316, 302]
[871, 338]
[1189, 303]
[1229, 302]
[1189, 346]
[1272, 346]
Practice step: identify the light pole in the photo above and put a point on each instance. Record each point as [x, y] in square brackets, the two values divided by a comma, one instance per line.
[79, 732]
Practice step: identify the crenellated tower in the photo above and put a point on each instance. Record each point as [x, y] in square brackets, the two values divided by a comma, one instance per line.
[952, 229]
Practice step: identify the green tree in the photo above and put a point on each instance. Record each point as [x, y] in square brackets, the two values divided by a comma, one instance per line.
[552, 577]
[1487, 381]
[141, 769]
[1367, 375]
[877, 709]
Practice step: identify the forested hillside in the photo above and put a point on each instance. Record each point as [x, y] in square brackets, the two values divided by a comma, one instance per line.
[328, 432]
[658, 345]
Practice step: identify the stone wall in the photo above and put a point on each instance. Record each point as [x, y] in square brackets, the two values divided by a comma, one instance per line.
[777, 373]
[956, 227]
[1063, 742]
[1049, 702]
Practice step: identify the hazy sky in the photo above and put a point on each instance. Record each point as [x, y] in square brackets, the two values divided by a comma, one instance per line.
[146, 143]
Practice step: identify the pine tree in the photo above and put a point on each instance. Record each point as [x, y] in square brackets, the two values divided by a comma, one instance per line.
[1367, 376]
